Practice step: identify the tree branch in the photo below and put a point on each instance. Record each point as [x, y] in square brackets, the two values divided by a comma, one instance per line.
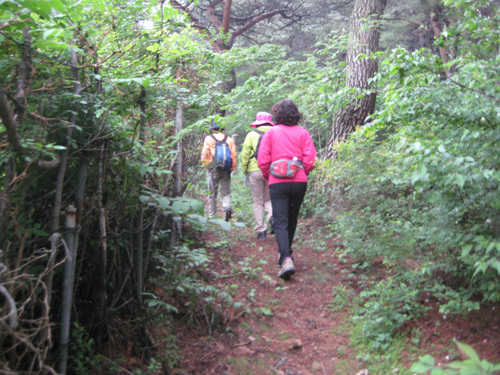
[10, 123]
[475, 90]
[416, 23]
[251, 23]
[213, 18]
[226, 15]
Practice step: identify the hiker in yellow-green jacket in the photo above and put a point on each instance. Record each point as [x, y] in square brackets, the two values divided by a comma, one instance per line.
[253, 175]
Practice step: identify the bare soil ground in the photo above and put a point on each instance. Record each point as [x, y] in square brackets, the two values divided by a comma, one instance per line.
[291, 327]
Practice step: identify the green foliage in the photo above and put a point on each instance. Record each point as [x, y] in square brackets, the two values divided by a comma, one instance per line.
[471, 366]
[179, 279]
[82, 357]
[419, 184]
[385, 307]
[246, 268]
[268, 78]
[342, 296]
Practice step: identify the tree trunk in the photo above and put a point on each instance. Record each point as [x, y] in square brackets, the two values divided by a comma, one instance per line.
[56, 211]
[364, 39]
[437, 18]
[64, 158]
[179, 161]
[14, 140]
[24, 79]
[10, 121]
[102, 306]
[139, 254]
[437, 29]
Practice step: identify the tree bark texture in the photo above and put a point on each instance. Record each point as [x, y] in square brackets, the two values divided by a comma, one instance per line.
[10, 123]
[24, 79]
[364, 39]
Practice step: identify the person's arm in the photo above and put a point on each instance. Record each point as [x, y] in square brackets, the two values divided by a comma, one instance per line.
[206, 153]
[264, 158]
[309, 154]
[232, 148]
[246, 152]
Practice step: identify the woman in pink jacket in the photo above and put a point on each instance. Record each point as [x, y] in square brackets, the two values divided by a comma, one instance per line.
[286, 156]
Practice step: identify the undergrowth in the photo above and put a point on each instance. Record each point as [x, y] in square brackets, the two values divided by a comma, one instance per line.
[418, 188]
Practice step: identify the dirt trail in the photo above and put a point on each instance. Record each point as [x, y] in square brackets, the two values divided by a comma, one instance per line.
[282, 327]
[292, 327]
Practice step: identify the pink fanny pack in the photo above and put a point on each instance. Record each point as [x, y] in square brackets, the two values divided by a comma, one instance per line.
[283, 168]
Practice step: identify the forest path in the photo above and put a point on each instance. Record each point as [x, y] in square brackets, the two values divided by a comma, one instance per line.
[276, 326]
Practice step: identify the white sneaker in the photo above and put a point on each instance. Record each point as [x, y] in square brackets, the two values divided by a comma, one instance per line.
[287, 269]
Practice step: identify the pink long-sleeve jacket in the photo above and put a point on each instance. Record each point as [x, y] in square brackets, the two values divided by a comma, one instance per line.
[286, 142]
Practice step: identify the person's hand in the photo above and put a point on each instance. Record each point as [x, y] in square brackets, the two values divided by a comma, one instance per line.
[247, 179]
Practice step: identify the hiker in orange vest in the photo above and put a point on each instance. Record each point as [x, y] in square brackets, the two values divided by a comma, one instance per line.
[218, 155]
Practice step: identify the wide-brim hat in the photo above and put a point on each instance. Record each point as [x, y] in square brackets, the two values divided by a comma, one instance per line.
[214, 126]
[263, 118]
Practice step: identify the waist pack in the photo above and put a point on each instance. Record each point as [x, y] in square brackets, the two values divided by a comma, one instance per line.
[284, 168]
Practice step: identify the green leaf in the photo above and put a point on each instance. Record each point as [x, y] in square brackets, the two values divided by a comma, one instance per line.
[222, 223]
[52, 33]
[144, 198]
[425, 364]
[420, 174]
[459, 180]
[468, 351]
[178, 207]
[164, 203]
[58, 5]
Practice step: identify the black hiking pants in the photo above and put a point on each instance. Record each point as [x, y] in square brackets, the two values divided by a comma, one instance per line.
[286, 198]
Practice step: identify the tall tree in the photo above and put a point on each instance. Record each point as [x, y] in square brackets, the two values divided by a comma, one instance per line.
[364, 36]
[258, 22]
[223, 21]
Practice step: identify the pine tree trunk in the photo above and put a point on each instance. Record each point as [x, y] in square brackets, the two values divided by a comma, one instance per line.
[364, 39]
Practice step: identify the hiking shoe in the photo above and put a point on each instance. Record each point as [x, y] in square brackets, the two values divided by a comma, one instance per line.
[271, 224]
[261, 236]
[287, 269]
[228, 214]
